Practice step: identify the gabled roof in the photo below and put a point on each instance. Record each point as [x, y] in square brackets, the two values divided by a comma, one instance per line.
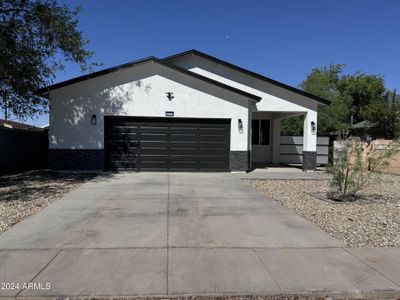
[362, 124]
[245, 71]
[145, 60]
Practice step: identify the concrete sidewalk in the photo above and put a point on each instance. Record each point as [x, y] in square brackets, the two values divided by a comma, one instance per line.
[184, 234]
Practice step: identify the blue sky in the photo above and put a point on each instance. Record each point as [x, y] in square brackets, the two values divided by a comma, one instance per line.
[282, 39]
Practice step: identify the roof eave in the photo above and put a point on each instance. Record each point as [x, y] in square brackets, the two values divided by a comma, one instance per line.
[321, 101]
[58, 85]
[46, 90]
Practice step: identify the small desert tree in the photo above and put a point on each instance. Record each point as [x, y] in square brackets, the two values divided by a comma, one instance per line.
[352, 167]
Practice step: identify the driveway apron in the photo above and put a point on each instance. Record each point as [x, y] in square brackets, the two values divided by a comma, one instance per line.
[179, 234]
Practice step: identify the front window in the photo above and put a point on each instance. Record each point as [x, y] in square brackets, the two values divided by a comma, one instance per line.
[260, 132]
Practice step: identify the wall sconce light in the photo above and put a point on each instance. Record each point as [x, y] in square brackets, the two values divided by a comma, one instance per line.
[170, 95]
[93, 120]
[313, 127]
[240, 125]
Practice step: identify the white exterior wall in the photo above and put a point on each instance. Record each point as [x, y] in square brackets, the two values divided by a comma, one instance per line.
[139, 91]
[279, 101]
[310, 134]
[274, 98]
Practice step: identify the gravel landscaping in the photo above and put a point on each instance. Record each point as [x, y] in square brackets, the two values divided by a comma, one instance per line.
[24, 194]
[358, 225]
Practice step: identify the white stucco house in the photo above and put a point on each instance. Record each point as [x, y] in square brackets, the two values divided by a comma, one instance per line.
[186, 112]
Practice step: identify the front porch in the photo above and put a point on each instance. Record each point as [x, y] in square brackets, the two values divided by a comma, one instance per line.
[268, 147]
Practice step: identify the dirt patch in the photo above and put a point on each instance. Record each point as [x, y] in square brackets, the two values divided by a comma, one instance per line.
[375, 224]
[24, 194]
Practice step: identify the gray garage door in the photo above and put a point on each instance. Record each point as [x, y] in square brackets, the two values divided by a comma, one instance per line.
[167, 144]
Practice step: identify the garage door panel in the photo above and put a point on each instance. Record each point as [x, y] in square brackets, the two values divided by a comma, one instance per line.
[157, 137]
[124, 128]
[123, 157]
[123, 165]
[149, 124]
[183, 151]
[182, 144]
[213, 145]
[178, 164]
[209, 166]
[190, 137]
[153, 144]
[183, 130]
[182, 124]
[152, 150]
[154, 166]
[212, 131]
[124, 142]
[211, 151]
[125, 131]
[159, 130]
[167, 144]
[120, 152]
[152, 157]
[183, 158]
[124, 134]
[120, 149]
[212, 138]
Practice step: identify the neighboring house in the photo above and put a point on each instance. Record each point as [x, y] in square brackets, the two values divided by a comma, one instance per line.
[16, 125]
[187, 112]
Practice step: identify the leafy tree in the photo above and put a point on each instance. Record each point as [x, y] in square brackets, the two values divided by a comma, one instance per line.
[324, 82]
[362, 89]
[385, 115]
[349, 95]
[292, 126]
[36, 38]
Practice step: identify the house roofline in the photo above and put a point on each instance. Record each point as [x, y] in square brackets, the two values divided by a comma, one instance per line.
[65, 83]
[47, 89]
[250, 73]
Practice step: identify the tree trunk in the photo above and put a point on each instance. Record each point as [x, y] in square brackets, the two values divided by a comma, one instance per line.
[5, 109]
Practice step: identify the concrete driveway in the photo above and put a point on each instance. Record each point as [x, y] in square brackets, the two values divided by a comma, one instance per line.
[181, 233]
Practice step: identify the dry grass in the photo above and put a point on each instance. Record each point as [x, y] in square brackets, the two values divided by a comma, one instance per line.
[24, 194]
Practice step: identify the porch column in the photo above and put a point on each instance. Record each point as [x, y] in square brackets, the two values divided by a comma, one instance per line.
[310, 141]
[276, 140]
